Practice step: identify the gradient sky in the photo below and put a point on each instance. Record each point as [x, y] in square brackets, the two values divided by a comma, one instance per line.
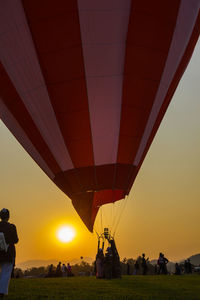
[161, 213]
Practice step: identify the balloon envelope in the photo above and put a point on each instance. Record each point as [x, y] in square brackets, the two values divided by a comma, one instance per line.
[85, 85]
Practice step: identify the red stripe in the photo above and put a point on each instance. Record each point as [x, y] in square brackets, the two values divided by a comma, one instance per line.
[150, 33]
[15, 105]
[56, 34]
[182, 66]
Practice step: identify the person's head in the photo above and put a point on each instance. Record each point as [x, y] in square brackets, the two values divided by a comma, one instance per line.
[4, 214]
[143, 254]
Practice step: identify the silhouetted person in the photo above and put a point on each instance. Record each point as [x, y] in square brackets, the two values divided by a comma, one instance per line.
[8, 239]
[69, 270]
[50, 271]
[177, 269]
[108, 264]
[64, 270]
[137, 267]
[187, 267]
[165, 265]
[100, 264]
[116, 267]
[58, 270]
[162, 262]
[144, 264]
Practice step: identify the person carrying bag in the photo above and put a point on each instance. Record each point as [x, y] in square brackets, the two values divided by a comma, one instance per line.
[8, 239]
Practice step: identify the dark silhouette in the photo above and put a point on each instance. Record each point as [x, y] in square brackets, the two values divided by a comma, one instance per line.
[187, 267]
[51, 272]
[64, 270]
[69, 270]
[8, 239]
[58, 270]
[137, 267]
[177, 269]
[108, 264]
[162, 262]
[100, 264]
[144, 264]
[116, 267]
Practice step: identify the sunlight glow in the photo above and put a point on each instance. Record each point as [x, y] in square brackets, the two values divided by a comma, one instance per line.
[66, 234]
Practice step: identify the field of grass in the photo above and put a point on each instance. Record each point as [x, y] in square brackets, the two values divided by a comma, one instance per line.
[89, 288]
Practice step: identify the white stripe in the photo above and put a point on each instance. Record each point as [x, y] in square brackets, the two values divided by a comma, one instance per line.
[187, 15]
[104, 26]
[21, 136]
[20, 61]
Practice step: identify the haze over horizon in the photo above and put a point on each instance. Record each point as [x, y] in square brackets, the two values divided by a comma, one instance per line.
[161, 214]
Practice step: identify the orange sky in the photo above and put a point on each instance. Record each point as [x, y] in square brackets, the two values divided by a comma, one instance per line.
[161, 214]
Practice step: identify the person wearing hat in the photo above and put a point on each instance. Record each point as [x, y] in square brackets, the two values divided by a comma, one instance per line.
[9, 238]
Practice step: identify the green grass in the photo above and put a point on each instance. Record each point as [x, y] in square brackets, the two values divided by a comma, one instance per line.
[89, 288]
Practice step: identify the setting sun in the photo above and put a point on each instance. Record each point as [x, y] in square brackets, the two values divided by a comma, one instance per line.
[66, 234]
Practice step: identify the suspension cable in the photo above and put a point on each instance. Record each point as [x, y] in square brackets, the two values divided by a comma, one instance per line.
[119, 219]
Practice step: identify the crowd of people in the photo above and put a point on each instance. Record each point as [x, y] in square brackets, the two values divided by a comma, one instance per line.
[142, 265]
[61, 270]
[186, 268]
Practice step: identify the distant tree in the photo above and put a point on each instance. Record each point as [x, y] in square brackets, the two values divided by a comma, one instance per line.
[83, 268]
[36, 272]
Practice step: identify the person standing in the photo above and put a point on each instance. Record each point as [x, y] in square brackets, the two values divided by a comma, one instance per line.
[165, 271]
[162, 262]
[58, 270]
[100, 264]
[144, 264]
[8, 240]
[69, 270]
[108, 264]
[64, 270]
[137, 267]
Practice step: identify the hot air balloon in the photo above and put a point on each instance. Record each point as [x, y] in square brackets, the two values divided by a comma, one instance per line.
[84, 86]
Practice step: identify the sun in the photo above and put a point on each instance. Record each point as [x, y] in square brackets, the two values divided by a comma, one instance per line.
[66, 234]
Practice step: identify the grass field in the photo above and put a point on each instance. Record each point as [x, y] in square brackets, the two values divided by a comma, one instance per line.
[89, 288]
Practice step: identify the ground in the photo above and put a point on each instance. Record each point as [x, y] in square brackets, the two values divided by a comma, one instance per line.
[90, 288]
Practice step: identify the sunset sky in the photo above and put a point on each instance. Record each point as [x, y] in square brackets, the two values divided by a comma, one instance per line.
[161, 213]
